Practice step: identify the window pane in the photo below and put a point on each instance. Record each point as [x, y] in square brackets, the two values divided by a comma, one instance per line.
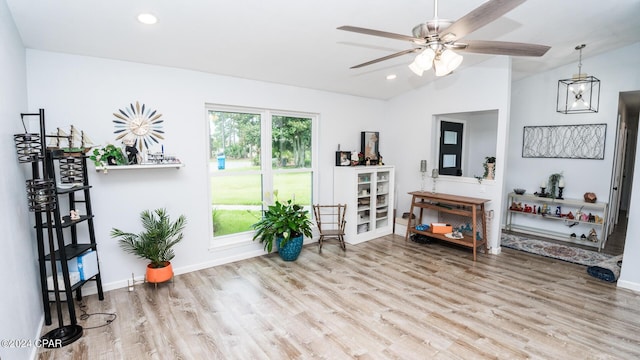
[295, 186]
[448, 160]
[450, 137]
[234, 140]
[236, 202]
[291, 142]
[236, 182]
[239, 179]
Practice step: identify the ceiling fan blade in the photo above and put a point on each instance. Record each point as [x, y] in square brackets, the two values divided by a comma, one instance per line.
[381, 33]
[479, 17]
[404, 52]
[503, 48]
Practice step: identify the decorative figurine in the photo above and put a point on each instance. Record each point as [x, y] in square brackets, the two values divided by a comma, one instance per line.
[131, 151]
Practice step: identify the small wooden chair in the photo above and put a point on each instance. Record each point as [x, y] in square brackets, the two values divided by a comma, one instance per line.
[331, 223]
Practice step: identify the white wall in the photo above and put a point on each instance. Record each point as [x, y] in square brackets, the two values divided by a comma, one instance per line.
[485, 86]
[85, 91]
[534, 103]
[21, 304]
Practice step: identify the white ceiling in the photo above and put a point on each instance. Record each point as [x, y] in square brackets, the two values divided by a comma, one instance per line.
[295, 42]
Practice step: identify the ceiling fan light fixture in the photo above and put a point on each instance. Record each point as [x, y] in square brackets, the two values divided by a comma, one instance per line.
[423, 62]
[425, 59]
[580, 93]
[451, 59]
[416, 68]
[446, 62]
[440, 68]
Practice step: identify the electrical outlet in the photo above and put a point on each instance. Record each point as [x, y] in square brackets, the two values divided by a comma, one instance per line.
[131, 283]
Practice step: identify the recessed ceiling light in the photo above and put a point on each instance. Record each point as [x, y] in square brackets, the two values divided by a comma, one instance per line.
[147, 19]
[391, 77]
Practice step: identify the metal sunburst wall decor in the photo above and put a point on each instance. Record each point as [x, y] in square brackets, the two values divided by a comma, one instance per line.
[138, 124]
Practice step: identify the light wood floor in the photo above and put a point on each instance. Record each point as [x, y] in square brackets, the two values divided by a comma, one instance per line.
[383, 299]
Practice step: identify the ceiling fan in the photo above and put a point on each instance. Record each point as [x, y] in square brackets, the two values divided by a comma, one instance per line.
[436, 40]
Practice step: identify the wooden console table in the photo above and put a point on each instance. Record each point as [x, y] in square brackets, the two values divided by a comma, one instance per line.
[452, 204]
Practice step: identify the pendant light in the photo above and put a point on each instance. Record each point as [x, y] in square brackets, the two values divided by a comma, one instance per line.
[579, 94]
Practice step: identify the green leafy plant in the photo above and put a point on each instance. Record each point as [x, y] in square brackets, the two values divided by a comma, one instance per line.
[283, 221]
[554, 179]
[156, 242]
[101, 156]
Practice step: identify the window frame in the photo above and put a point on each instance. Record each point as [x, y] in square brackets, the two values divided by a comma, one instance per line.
[266, 170]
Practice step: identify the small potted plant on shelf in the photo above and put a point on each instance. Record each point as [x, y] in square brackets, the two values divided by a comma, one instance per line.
[155, 243]
[554, 180]
[108, 155]
[284, 223]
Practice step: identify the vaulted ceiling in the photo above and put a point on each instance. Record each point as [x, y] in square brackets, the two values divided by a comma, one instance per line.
[295, 42]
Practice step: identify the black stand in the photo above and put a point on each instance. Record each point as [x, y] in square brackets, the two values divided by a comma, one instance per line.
[43, 199]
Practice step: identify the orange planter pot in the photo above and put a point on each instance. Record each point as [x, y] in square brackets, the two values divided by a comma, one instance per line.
[158, 275]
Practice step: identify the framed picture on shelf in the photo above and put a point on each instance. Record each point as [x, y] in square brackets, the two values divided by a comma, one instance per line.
[343, 158]
[369, 141]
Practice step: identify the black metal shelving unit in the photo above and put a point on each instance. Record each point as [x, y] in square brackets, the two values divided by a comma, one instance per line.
[58, 176]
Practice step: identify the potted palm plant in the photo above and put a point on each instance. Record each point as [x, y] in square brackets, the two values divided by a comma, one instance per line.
[286, 224]
[155, 243]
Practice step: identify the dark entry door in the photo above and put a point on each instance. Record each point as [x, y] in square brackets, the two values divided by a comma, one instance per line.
[450, 162]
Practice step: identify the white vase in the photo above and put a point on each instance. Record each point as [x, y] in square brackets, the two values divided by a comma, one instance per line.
[491, 171]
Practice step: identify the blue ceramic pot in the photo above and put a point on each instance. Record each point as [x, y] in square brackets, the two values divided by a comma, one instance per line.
[290, 250]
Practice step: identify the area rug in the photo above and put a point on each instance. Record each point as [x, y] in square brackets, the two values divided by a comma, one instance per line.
[553, 250]
[607, 270]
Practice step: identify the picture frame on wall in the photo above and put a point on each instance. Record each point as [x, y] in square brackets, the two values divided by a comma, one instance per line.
[343, 158]
[370, 141]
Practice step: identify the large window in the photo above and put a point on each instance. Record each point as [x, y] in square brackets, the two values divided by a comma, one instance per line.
[254, 153]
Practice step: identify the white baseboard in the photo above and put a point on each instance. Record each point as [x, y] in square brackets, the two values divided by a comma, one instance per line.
[91, 289]
[34, 350]
[628, 285]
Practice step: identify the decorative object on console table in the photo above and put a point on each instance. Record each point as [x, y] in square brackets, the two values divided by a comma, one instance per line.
[560, 188]
[434, 177]
[369, 141]
[543, 188]
[155, 243]
[590, 197]
[554, 180]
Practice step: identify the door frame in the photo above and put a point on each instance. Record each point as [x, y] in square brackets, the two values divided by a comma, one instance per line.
[619, 154]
